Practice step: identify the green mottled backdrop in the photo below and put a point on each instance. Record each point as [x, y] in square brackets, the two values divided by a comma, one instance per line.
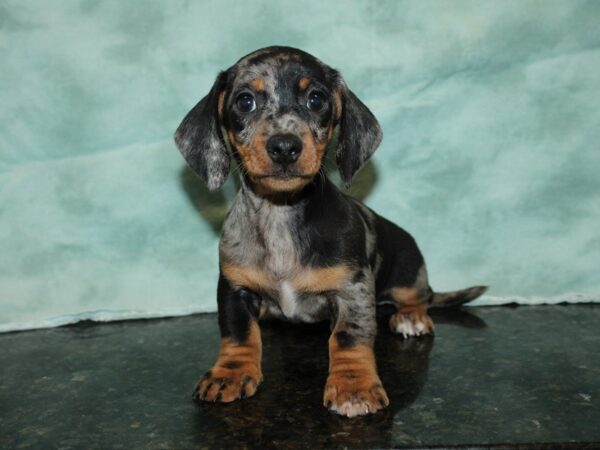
[491, 153]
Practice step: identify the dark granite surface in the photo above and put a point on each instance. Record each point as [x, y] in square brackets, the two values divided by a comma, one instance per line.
[528, 375]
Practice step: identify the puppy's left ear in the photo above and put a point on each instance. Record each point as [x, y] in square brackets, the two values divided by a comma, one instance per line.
[360, 134]
[199, 138]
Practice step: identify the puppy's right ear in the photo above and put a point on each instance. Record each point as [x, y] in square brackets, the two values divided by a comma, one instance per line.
[199, 138]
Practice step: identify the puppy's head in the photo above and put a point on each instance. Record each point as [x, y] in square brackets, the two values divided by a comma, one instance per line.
[276, 110]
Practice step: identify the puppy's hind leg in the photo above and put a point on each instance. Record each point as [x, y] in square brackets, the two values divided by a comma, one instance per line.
[411, 318]
[412, 303]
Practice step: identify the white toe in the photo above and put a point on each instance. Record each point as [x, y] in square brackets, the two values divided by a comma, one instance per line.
[405, 328]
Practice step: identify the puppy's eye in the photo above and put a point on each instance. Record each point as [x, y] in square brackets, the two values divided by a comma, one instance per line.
[245, 102]
[316, 101]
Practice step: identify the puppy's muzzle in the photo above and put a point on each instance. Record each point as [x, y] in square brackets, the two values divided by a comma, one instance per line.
[284, 149]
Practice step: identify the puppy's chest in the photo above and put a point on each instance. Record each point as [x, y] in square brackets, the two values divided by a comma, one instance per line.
[261, 239]
[260, 251]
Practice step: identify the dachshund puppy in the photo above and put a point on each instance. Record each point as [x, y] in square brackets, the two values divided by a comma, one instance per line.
[293, 246]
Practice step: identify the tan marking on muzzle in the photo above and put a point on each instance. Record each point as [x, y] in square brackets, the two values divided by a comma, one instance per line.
[254, 156]
[311, 159]
[273, 186]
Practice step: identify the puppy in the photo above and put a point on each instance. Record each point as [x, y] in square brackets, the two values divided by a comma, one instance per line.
[293, 246]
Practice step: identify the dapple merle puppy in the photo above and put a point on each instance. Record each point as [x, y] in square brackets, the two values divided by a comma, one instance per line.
[293, 246]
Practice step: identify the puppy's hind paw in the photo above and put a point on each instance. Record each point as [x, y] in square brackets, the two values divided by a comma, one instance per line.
[414, 323]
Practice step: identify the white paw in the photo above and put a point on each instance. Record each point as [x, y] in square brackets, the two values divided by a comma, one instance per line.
[405, 327]
[350, 409]
[411, 324]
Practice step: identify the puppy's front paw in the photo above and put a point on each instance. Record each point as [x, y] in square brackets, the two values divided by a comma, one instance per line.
[351, 395]
[411, 323]
[226, 384]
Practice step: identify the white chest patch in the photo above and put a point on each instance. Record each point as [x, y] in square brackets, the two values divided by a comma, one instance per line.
[287, 300]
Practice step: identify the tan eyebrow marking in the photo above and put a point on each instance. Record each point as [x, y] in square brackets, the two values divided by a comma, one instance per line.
[303, 83]
[258, 84]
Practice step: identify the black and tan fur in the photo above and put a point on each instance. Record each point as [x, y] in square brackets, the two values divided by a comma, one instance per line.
[293, 246]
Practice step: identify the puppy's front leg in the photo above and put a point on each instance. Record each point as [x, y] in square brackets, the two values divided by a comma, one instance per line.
[353, 386]
[237, 372]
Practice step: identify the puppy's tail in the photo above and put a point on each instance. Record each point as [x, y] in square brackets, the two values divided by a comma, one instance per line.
[456, 298]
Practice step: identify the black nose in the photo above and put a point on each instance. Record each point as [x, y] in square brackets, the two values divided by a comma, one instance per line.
[284, 148]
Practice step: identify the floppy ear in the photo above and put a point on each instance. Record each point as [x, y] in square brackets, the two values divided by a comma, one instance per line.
[360, 135]
[199, 138]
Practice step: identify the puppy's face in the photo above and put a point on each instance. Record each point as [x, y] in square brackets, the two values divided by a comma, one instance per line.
[277, 109]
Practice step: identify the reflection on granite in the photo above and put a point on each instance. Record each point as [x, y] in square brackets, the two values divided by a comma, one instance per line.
[526, 375]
